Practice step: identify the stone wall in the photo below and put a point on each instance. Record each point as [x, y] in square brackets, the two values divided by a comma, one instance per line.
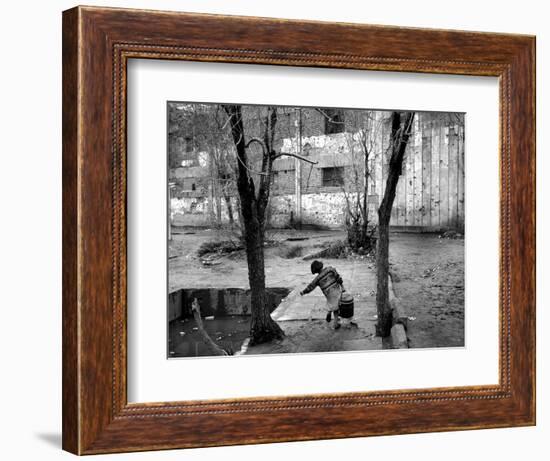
[219, 302]
[199, 210]
[320, 209]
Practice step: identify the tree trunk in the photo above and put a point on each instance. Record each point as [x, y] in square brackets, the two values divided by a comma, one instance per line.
[383, 308]
[399, 138]
[229, 210]
[218, 208]
[263, 328]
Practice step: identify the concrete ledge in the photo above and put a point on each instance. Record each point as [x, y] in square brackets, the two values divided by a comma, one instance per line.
[398, 337]
[398, 334]
[398, 311]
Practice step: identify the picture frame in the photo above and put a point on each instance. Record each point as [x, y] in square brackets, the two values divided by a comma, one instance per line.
[97, 44]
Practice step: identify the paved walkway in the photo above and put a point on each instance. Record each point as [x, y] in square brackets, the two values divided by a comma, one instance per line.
[303, 317]
[359, 280]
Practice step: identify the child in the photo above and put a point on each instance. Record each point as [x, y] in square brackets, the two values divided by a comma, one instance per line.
[330, 283]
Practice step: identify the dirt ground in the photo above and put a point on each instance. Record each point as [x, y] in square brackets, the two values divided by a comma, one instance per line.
[428, 274]
[283, 259]
[428, 278]
[302, 318]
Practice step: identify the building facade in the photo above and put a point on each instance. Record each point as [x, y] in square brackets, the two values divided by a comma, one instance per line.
[430, 193]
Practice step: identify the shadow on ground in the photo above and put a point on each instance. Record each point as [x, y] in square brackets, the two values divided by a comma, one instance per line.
[51, 438]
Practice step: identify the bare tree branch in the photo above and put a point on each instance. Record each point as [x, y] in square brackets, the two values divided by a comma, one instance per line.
[250, 170]
[259, 141]
[283, 154]
[328, 117]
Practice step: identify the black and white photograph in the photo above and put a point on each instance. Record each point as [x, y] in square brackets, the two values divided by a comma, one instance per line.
[313, 229]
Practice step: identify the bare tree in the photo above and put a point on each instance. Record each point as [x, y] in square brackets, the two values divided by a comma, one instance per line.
[199, 130]
[253, 208]
[225, 168]
[400, 133]
[364, 128]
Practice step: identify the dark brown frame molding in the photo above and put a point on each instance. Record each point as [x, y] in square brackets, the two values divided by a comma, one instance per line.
[97, 43]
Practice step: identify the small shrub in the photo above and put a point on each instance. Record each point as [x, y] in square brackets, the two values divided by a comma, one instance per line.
[291, 252]
[336, 250]
[451, 234]
[361, 241]
[222, 247]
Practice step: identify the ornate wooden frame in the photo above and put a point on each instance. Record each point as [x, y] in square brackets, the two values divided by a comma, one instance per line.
[97, 43]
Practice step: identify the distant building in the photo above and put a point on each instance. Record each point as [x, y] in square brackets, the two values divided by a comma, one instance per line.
[430, 193]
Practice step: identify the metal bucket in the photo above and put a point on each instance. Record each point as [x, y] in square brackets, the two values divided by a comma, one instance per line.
[346, 305]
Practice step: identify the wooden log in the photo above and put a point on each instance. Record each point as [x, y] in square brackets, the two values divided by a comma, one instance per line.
[214, 348]
[398, 311]
[398, 337]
